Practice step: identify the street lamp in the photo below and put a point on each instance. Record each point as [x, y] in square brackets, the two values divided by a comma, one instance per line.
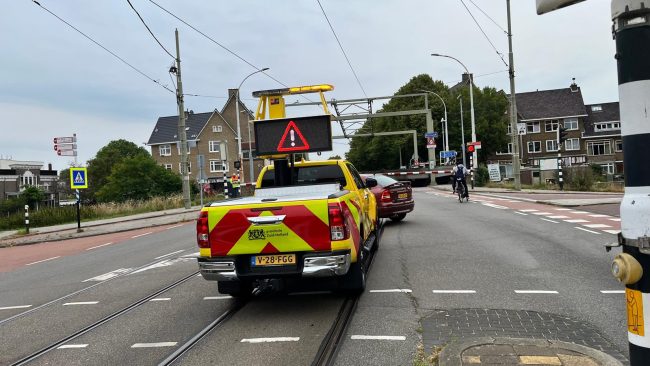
[250, 152]
[471, 102]
[446, 139]
[462, 129]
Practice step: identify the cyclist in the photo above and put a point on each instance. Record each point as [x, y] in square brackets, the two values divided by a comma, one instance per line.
[458, 173]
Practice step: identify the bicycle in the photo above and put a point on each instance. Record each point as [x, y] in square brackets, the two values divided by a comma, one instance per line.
[460, 189]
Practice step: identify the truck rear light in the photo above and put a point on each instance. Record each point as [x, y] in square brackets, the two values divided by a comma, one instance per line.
[202, 230]
[385, 196]
[338, 230]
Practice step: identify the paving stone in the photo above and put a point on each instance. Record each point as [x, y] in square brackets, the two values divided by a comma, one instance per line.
[540, 360]
[499, 359]
[535, 351]
[571, 360]
[490, 349]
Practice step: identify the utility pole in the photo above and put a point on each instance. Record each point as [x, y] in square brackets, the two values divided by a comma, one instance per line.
[182, 134]
[513, 108]
[462, 130]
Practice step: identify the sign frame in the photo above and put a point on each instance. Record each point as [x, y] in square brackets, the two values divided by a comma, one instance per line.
[82, 170]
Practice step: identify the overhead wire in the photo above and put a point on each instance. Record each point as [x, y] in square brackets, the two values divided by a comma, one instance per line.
[149, 29]
[342, 49]
[484, 34]
[103, 47]
[489, 17]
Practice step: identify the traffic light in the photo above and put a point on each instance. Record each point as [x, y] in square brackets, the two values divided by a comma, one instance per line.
[562, 133]
[471, 148]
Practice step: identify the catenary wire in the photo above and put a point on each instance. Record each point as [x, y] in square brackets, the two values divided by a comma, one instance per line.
[484, 34]
[341, 47]
[104, 48]
[489, 17]
[478, 76]
[149, 29]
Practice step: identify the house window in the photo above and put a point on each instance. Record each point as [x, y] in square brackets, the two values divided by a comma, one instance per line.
[165, 150]
[189, 167]
[246, 154]
[571, 123]
[532, 127]
[608, 168]
[178, 147]
[618, 145]
[551, 145]
[551, 126]
[572, 144]
[510, 148]
[534, 146]
[596, 108]
[217, 129]
[213, 146]
[28, 179]
[607, 126]
[168, 166]
[216, 166]
[595, 148]
[509, 129]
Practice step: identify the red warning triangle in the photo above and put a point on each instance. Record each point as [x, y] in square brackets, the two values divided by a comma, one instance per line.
[269, 249]
[292, 139]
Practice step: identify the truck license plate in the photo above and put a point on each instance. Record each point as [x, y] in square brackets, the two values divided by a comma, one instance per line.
[273, 260]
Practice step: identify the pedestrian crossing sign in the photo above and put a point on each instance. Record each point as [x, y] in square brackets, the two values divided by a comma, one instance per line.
[78, 178]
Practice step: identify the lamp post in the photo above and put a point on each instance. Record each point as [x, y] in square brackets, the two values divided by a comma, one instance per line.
[462, 128]
[250, 152]
[471, 102]
[446, 139]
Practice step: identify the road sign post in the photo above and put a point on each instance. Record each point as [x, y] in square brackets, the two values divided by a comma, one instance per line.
[78, 180]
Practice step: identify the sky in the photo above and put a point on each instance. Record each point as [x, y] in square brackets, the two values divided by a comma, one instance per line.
[55, 82]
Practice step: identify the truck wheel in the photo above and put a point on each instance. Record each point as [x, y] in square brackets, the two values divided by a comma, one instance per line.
[355, 280]
[235, 288]
[398, 217]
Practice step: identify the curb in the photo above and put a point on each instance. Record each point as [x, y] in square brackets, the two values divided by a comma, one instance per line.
[451, 355]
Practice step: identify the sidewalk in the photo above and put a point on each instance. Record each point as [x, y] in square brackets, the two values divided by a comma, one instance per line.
[99, 227]
[518, 351]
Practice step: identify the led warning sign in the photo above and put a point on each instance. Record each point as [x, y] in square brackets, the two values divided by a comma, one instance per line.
[293, 135]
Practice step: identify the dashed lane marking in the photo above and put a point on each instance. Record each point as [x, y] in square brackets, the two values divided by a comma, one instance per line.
[68, 346]
[404, 290]
[81, 303]
[168, 254]
[563, 209]
[161, 299]
[139, 235]
[217, 297]
[270, 340]
[575, 221]
[579, 212]
[599, 215]
[109, 275]
[175, 226]
[541, 213]
[535, 292]
[154, 345]
[494, 206]
[612, 291]
[378, 338]
[529, 210]
[43, 260]
[454, 291]
[99, 246]
[521, 213]
[616, 219]
[613, 232]
[555, 222]
[589, 231]
[596, 226]
[558, 217]
[15, 307]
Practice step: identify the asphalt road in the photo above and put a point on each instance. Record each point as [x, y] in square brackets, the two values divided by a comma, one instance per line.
[445, 256]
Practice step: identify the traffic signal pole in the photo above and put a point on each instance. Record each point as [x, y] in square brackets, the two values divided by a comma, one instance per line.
[632, 34]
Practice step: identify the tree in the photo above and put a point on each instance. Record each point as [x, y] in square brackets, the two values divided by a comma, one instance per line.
[138, 178]
[32, 196]
[334, 157]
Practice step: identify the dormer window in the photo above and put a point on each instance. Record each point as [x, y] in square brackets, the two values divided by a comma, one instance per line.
[596, 108]
[217, 128]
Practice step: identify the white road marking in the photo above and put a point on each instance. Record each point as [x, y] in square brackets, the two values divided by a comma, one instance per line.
[614, 232]
[596, 226]
[555, 222]
[152, 345]
[528, 210]
[16, 307]
[616, 219]
[612, 291]
[579, 212]
[99, 246]
[589, 231]
[66, 346]
[563, 209]
[81, 303]
[217, 297]
[405, 290]
[535, 292]
[109, 275]
[542, 213]
[521, 213]
[163, 263]
[191, 255]
[175, 226]
[161, 299]
[137, 236]
[454, 291]
[558, 217]
[494, 206]
[172, 253]
[268, 340]
[599, 215]
[575, 221]
[44, 260]
[379, 338]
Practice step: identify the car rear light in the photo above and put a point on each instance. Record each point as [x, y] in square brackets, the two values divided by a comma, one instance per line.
[202, 230]
[385, 196]
[338, 230]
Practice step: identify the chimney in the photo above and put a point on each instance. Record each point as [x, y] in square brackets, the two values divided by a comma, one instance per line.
[49, 166]
[232, 92]
[574, 87]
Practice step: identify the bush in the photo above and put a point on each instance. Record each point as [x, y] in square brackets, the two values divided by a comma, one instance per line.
[579, 178]
[482, 176]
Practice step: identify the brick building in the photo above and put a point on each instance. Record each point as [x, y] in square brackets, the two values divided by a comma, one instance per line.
[17, 175]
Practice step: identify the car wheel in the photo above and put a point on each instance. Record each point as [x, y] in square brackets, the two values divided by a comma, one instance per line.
[398, 217]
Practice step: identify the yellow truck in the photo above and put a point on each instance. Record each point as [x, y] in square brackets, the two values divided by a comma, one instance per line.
[307, 221]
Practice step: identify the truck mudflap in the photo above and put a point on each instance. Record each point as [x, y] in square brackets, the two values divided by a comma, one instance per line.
[298, 226]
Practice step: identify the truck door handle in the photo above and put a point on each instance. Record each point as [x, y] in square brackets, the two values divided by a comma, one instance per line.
[266, 220]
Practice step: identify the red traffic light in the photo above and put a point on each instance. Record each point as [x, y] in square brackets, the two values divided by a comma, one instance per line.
[471, 148]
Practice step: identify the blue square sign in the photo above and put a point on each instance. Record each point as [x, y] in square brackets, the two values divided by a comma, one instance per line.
[78, 178]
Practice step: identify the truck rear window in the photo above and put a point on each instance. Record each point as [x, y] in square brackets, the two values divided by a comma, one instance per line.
[305, 175]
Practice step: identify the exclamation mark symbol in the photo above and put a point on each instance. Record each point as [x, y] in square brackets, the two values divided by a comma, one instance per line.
[293, 138]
